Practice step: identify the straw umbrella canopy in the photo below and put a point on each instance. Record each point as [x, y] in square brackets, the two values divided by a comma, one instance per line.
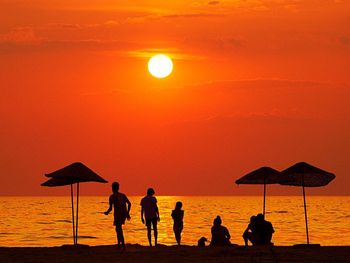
[305, 175]
[264, 175]
[74, 173]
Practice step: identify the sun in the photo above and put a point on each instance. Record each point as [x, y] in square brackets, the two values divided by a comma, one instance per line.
[160, 66]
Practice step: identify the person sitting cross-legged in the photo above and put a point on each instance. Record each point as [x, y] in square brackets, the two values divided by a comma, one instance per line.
[220, 235]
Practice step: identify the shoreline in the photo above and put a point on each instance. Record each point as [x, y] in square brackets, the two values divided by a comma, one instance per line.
[163, 253]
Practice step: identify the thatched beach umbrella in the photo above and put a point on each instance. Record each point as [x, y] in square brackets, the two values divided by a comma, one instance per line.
[263, 175]
[305, 175]
[74, 173]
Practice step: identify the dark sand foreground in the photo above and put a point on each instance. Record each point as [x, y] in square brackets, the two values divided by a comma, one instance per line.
[137, 253]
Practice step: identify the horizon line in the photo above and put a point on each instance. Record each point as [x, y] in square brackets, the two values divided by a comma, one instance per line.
[165, 195]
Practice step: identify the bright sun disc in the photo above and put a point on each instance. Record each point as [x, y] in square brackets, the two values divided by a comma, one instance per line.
[160, 66]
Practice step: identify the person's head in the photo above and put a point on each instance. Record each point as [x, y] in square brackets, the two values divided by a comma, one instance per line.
[252, 219]
[260, 217]
[178, 205]
[115, 187]
[217, 221]
[150, 191]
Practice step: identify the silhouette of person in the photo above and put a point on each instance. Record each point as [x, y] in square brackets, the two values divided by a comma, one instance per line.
[250, 233]
[201, 241]
[264, 229]
[178, 215]
[220, 235]
[122, 206]
[150, 215]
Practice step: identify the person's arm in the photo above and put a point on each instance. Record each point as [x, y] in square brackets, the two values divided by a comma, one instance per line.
[157, 212]
[213, 237]
[110, 206]
[128, 208]
[228, 234]
[142, 211]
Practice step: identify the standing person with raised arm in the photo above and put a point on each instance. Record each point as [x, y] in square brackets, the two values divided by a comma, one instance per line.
[150, 215]
[122, 206]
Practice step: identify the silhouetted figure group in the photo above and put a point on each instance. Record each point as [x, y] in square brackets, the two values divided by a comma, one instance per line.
[258, 232]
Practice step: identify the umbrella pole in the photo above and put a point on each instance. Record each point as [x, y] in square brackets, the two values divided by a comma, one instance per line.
[306, 224]
[71, 194]
[264, 198]
[76, 225]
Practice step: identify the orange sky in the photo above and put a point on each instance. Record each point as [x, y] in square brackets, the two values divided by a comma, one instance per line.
[254, 83]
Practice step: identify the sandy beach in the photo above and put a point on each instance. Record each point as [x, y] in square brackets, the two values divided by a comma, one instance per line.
[137, 253]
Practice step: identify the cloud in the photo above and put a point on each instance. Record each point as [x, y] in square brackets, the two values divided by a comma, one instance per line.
[256, 118]
[213, 2]
[20, 35]
[232, 85]
[267, 98]
[193, 15]
[41, 45]
[174, 53]
[65, 26]
[345, 40]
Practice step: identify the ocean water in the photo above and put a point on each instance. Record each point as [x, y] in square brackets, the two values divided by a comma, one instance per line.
[46, 221]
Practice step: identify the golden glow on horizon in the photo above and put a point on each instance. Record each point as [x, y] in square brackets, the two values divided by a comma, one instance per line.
[160, 66]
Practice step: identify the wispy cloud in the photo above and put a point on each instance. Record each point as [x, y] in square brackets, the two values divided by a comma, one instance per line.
[193, 15]
[21, 35]
[174, 53]
[42, 45]
[213, 2]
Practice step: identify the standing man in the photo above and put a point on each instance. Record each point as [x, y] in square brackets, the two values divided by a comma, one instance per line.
[150, 212]
[121, 205]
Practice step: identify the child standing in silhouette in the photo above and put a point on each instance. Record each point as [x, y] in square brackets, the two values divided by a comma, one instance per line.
[178, 216]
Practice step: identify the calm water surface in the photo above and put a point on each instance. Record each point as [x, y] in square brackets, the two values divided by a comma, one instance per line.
[46, 221]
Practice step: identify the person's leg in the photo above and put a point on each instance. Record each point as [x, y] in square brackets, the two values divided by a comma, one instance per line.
[154, 222]
[149, 232]
[118, 239]
[120, 235]
[249, 236]
[178, 236]
[245, 238]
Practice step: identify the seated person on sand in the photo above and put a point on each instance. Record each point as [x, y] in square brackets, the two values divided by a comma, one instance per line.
[259, 231]
[219, 234]
[201, 241]
[250, 232]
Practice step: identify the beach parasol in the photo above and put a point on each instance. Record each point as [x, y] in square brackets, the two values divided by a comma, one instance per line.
[263, 175]
[74, 173]
[305, 175]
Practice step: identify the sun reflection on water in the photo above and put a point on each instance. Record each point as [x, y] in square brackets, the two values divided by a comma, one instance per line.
[46, 221]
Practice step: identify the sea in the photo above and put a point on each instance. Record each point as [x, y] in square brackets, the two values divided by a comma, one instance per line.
[47, 221]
